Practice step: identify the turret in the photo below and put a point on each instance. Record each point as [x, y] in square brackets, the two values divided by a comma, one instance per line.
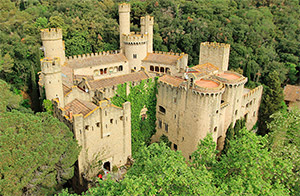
[135, 49]
[216, 54]
[147, 28]
[51, 69]
[124, 21]
[53, 44]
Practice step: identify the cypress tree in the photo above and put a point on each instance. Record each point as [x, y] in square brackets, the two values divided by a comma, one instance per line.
[271, 101]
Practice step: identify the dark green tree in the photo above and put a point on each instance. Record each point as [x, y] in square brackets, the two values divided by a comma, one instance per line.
[272, 101]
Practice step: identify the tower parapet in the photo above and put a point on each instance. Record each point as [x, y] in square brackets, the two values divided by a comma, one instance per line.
[53, 43]
[52, 34]
[215, 53]
[135, 39]
[50, 65]
[51, 70]
[124, 7]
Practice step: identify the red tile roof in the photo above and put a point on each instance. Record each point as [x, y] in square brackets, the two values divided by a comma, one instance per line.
[79, 107]
[113, 81]
[291, 93]
[166, 59]
[174, 81]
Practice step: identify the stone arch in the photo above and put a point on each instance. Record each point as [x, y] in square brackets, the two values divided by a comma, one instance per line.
[151, 68]
[156, 68]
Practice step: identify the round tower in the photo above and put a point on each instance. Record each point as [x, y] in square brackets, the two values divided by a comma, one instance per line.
[124, 21]
[135, 49]
[234, 87]
[53, 44]
[51, 70]
[147, 28]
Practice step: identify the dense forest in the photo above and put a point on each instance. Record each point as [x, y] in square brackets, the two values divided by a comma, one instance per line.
[265, 46]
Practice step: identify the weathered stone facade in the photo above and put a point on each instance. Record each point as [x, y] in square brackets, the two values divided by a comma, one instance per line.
[191, 102]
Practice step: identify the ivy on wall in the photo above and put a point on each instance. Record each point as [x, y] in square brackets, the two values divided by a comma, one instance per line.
[140, 96]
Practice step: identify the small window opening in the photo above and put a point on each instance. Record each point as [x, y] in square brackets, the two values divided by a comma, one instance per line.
[156, 69]
[111, 121]
[166, 127]
[98, 124]
[175, 146]
[215, 129]
[134, 56]
[162, 109]
[86, 127]
[121, 117]
[151, 68]
[159, 124]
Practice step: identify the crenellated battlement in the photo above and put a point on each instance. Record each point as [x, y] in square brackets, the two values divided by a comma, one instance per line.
[170, 53]
[52, 34]
[135, 38]
[124, 7]
[91, 55]
[253, 92]
[50, 65]
[215, 45]
[149, 19]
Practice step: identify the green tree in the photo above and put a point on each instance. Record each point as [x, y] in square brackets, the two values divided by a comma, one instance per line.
[37, 153]
[248, 168]
[8, 100]
[158, 170]
[272, 101]
[284, 140]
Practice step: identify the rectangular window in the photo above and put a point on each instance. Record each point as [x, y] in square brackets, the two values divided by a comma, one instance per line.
[159, 124]
[134, 56]
[166, 127]
[175, 147]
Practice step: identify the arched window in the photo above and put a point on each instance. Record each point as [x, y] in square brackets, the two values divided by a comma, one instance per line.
[151, 68]
[167, 70]
[157, 69]
[101, 71]
[121, 68]
[105, 70]
[115, 69]
[162, 70]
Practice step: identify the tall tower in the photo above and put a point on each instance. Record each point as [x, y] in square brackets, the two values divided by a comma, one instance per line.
[147, 28]
[215, 53]
[51, 70]
[124, 21]
[53, 44]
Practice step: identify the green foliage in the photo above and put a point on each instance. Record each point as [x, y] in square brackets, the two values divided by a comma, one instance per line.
[248, 168]
[271, 101]
[37, 153]
[48, 106]
[205, 155]
[8, 99]
[285, 143]
[165, 140]
[158, 171]
[140, 96]
[233, 132]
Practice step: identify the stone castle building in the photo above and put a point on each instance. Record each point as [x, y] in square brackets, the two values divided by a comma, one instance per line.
[191, 102]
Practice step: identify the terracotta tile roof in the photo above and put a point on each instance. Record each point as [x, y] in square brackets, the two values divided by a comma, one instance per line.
[113, 81]
[67, 75]
[66, 89]
[79, 107]
[174, 81]
[291, 93]
[203, 69]
[88, 77]
[167, 59]
[96, 60]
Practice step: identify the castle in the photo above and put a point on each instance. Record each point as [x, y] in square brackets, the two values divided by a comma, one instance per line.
[191, 102]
